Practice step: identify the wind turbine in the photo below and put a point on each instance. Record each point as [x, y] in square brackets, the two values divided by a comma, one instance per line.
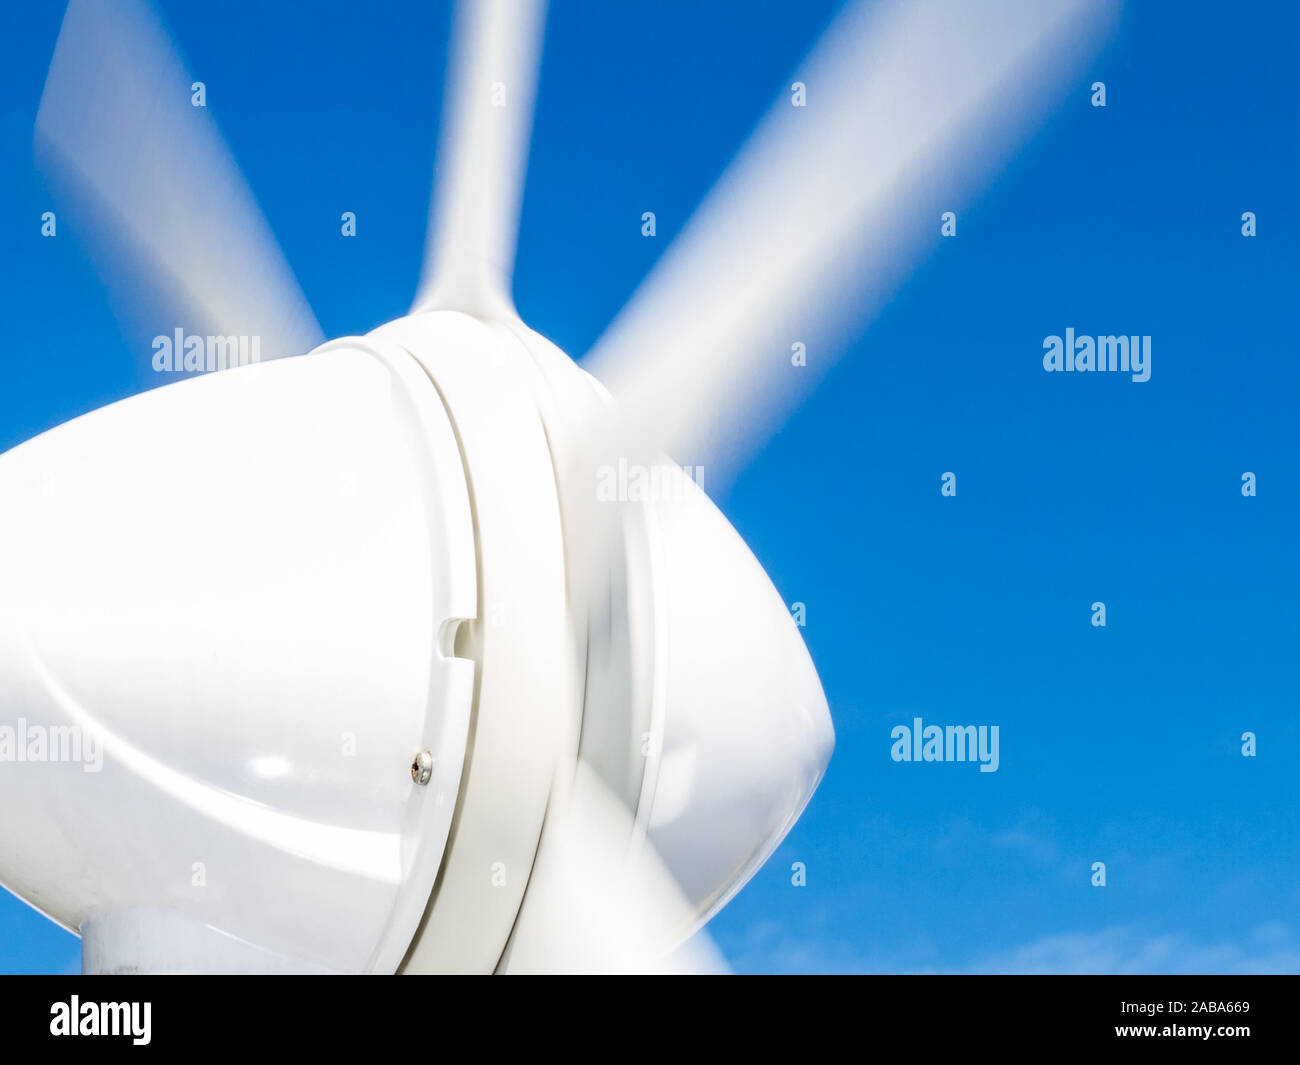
[384, 675]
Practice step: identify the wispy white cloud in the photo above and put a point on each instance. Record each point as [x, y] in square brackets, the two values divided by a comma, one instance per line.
[1123, 949]
[1270, 948]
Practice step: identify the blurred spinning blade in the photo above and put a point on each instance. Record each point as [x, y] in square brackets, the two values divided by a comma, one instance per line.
[909, 106]
[487, 121]
[116, 124]
[599, 899]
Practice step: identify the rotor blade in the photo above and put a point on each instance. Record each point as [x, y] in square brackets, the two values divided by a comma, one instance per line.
[599, 899]
[482, 155]
[116, 122]
[908, 106]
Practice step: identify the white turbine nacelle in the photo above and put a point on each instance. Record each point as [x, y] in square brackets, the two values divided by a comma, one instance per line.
[262, 594]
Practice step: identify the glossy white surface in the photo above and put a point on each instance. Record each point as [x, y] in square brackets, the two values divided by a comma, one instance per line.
[235, 585]
[743, 730]
[246, 588]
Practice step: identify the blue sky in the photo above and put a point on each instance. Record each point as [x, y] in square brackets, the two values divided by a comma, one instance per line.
[1119, 744]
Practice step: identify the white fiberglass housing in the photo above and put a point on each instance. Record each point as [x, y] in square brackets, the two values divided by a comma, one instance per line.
[257, 596]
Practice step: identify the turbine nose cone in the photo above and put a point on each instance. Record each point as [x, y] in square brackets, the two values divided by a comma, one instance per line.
[747, 733]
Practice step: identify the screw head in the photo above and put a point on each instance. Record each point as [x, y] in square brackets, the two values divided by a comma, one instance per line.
[422, 767]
